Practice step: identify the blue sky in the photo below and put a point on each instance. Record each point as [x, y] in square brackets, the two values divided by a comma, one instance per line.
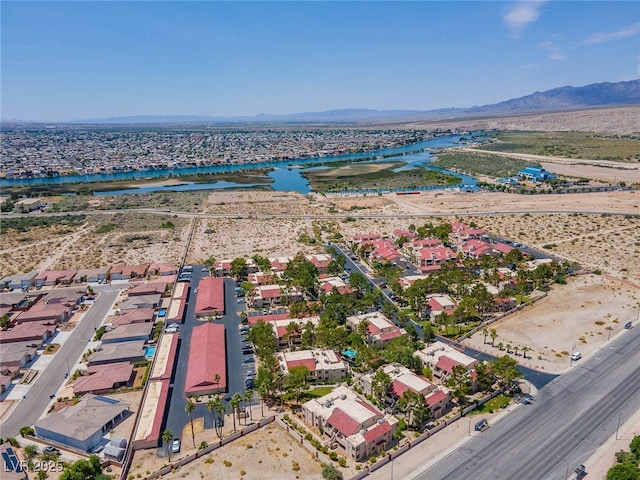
[82, 60]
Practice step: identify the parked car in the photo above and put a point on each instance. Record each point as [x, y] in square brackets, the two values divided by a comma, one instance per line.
[481, 425]
[51, 450]
[628, 325]
[576, 356]
[175, 445]
[248, 360]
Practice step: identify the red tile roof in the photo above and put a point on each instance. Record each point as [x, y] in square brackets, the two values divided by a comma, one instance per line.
[445, 363]
[210, 296]
[307, 362]
[135, 315]
[345, 424]
[435, 398]
[399, 388]
[389, 335]
[378, 431]
[103, 377]
[207, 357]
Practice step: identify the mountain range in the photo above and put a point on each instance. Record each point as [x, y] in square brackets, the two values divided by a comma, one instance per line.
[557, 99]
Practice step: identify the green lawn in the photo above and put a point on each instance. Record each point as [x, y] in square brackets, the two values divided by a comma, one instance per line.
[496, 403]
[318, 392]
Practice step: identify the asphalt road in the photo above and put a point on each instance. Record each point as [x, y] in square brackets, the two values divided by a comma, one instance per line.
[177, 418]
[29, 409]
[567, 421]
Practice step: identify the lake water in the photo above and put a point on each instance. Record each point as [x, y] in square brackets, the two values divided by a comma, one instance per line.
[284, 178]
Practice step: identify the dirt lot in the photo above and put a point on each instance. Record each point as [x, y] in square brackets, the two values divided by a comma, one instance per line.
[581, 316]
[267, 453]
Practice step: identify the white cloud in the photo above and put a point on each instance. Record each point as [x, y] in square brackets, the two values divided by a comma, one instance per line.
[601, 37]
[521, 14]
[553, 51]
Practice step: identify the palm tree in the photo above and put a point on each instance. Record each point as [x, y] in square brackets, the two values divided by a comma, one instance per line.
[212, 408]
[263, 392]
[500, 346]
[189, 408]
[493, 334]
[167, 436]
[485, 332]
[515, 350]
[234, 403]
[248, 395]
[508, 346]
[216, 380]
[524, 351]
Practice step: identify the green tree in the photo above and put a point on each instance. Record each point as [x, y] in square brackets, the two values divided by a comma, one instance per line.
[26, 430]
[5, 321]
[301, 273]
[263, 263]
[239, 268]
[493, 334]
[634, 446]
[234, 403]
[83, 470]
[485, 332]
[248, 395]
[167, 437]
[292, 331]
[329, 472]
[505, 370]
[380, 384]
[308, 335]
[624, 471]
[459, 382]
[190, 408]
[413, 406]
[216, 408]
[297, 379]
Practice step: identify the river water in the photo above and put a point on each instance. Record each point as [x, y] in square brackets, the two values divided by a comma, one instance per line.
[284, 177]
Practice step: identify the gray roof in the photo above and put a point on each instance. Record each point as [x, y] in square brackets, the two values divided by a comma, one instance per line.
[82, 420]
[18, 277]
[129, 331]
[118, 351]
[14, 352]
[140, 301]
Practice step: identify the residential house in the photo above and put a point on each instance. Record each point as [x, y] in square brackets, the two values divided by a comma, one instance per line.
[323, 365]
[83, 425]
[380, 329]
[118, 352]
[439, 304]
[103, 378]
[441, 358]
[272, 295]
[128, 333]
[55, 277]
[162, 269]
[19, 280]
[141, 301]
[351, 422]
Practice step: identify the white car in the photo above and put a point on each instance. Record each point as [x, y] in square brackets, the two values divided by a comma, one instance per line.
[576, 356]
[175, 445]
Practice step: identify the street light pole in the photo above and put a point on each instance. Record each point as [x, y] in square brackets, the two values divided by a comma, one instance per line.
[618, 427]
[68, 368]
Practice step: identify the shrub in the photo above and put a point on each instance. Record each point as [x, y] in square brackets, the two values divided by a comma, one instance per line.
[227, 463]
[295, 466]
[26, 430]
[209, 460]
[242, 473]
[329, 472]
[308, 437]
[202, 445]
[333, 456]
[342, 462]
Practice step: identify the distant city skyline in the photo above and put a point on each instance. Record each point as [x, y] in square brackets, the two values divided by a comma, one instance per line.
[70, 61]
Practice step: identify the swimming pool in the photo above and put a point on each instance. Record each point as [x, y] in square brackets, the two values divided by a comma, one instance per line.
[162, 312]
[349, 353]
[149, 351]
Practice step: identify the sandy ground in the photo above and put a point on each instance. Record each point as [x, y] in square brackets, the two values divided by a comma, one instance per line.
[268, 452]
[603, 170]
[581, 316]
[622, 120]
